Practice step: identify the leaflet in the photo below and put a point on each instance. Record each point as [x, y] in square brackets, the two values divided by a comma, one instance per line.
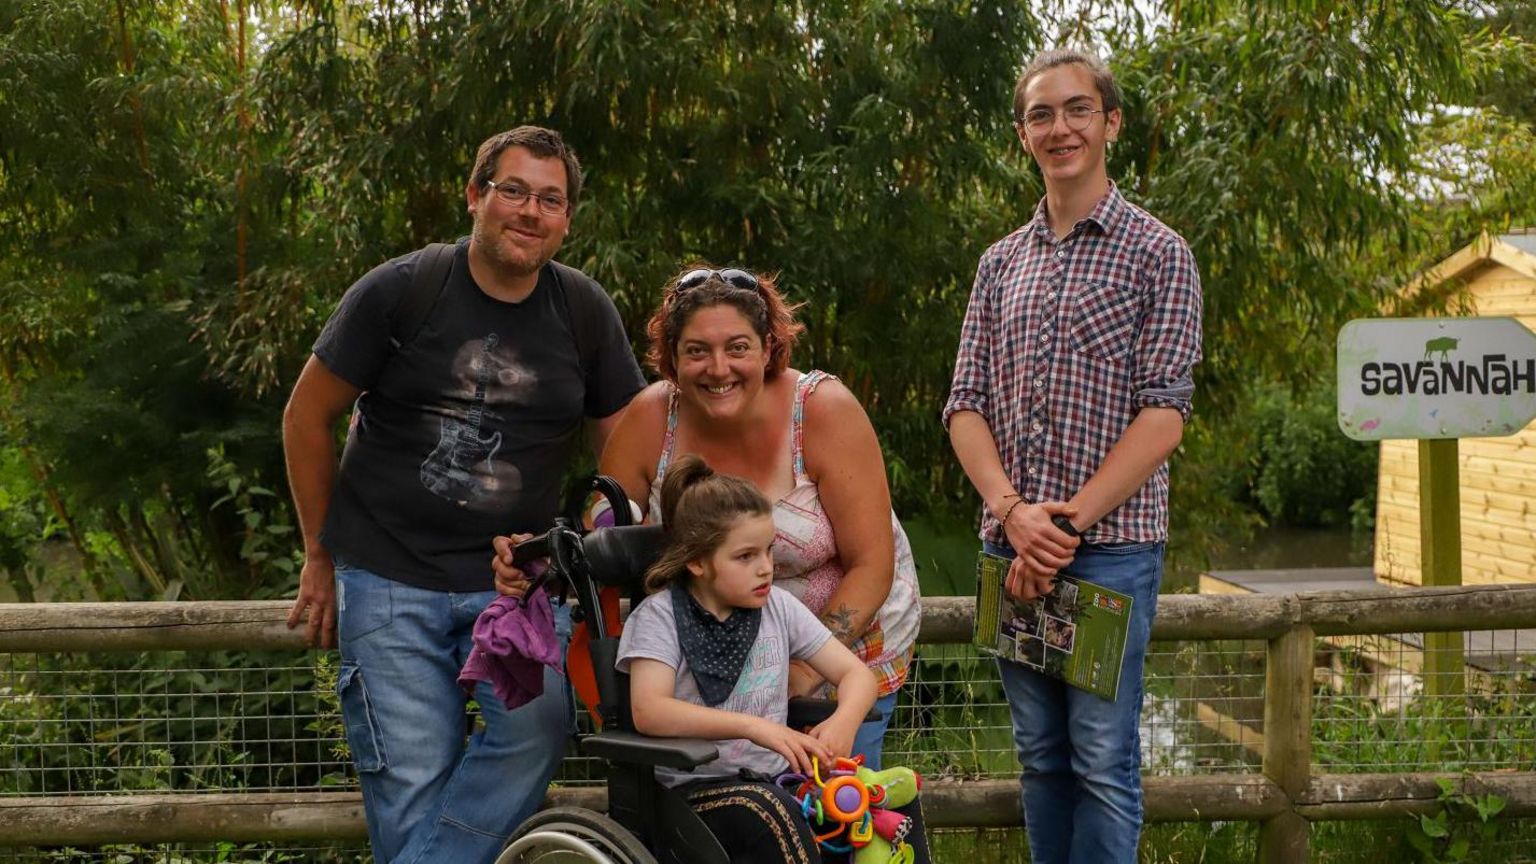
[1076, 633]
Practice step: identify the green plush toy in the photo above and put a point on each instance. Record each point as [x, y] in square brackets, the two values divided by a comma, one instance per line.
[888, 789]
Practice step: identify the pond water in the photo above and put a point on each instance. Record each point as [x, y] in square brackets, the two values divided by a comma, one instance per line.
[1287, 548]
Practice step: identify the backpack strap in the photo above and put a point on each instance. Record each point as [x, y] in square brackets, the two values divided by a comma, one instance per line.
[582, 310]
[427, 283]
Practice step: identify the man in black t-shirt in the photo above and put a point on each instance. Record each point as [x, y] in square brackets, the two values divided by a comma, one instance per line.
[461, 431]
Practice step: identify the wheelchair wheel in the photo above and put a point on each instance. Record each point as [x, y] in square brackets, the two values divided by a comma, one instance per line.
[568, 835]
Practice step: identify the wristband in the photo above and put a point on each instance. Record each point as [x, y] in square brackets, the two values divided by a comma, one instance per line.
[1009, 511]
[1065, 524]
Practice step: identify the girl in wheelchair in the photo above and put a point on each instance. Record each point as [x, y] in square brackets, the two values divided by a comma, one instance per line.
[708, 656]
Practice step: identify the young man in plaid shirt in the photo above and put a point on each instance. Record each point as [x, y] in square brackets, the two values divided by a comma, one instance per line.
[1071, 388]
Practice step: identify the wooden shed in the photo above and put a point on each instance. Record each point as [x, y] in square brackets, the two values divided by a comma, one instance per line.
[1495, 275]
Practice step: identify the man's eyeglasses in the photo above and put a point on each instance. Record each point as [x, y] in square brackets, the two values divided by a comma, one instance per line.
[1042, 119]
[732, 276]
[514, 195]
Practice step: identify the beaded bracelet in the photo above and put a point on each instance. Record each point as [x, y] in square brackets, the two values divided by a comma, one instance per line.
[1009, 511]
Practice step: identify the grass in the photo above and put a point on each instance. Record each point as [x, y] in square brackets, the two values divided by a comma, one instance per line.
[1223, 842]
[1170, 843]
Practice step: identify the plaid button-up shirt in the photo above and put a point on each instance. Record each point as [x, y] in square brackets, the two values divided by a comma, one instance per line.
[1064, 342]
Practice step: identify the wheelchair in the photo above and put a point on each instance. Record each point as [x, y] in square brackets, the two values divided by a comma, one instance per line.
[646, 822]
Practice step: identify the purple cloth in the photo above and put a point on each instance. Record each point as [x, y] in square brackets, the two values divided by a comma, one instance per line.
[512, 645]
[603, 516]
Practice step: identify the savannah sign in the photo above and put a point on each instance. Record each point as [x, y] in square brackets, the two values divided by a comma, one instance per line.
[1435, 378]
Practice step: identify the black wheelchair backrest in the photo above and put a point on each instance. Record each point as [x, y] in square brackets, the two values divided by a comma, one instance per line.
[620, 556]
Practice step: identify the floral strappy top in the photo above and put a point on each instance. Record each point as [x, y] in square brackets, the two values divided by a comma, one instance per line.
[805, 561]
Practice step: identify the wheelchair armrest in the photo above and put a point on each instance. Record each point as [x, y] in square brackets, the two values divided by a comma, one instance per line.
[805, 711]
[684, 754]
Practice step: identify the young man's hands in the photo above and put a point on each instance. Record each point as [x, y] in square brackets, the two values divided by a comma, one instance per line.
[1041, 548]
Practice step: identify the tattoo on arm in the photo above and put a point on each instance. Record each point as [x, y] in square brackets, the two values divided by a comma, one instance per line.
[841, 623]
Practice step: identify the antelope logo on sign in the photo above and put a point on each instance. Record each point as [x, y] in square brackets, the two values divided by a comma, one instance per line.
[1442, 346]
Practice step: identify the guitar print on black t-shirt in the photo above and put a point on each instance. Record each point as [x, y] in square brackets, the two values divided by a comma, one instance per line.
[459, 468]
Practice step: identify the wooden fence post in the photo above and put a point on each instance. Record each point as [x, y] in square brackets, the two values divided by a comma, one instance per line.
[1283, 838]
[1440, 560]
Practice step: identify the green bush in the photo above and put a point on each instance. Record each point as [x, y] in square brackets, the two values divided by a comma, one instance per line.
[1305, 473]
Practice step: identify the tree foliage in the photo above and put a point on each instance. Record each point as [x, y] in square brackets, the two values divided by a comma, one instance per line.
[1304, 472]
[186, 189]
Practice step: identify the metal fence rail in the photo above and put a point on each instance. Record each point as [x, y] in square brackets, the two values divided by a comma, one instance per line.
[201, 722]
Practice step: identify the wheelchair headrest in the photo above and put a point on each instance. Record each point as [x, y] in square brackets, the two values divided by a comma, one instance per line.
[620, 556]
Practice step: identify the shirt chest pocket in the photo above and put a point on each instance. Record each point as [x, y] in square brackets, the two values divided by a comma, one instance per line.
[1105, 320]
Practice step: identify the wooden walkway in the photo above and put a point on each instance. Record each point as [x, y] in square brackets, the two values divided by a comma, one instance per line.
[1289, 581]
[1485, 650]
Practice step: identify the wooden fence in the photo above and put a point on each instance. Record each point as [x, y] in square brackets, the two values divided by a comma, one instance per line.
[1285, 798]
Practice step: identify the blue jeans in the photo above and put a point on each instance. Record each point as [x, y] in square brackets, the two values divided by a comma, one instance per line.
[431, 793]
[1081, 755]
[870, 739]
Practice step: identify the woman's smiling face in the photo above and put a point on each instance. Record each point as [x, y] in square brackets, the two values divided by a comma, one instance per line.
[720, 362]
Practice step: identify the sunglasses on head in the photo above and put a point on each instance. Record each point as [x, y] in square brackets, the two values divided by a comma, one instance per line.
[732, 276]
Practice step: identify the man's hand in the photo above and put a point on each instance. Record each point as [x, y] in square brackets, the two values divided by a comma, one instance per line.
[1044, 548]
[317, 594]
[1026, 582]
[510, 580]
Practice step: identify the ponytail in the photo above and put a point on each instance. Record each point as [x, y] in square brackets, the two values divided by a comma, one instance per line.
[699, 507]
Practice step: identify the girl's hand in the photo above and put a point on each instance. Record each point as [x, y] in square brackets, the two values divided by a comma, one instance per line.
[510, 580]
[797, 747]
[836, 735]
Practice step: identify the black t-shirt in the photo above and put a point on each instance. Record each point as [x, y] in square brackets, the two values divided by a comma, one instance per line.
[467, 430]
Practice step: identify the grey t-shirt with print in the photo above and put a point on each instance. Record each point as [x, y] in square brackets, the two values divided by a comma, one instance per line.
[788, 631]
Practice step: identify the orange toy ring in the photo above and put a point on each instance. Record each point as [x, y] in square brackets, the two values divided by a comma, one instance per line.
[829, 796]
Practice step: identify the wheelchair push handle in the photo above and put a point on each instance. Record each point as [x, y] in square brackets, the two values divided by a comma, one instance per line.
[558, 544]
[562, 543]
[612, 492]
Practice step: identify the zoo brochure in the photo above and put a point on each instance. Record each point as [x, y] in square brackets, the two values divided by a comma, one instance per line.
[1076, 633]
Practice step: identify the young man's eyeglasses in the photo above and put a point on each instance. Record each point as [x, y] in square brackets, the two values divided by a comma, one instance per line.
[514, 195]
[737, 278]
[1042, 119]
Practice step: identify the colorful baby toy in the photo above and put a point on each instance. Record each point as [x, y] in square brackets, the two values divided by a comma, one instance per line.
[852, 809]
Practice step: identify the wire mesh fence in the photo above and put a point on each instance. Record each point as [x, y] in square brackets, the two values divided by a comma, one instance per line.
[83, 724]
[1375, 710]
[168, 721]
[1204, 702]
[74, 724]
[953, 720]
